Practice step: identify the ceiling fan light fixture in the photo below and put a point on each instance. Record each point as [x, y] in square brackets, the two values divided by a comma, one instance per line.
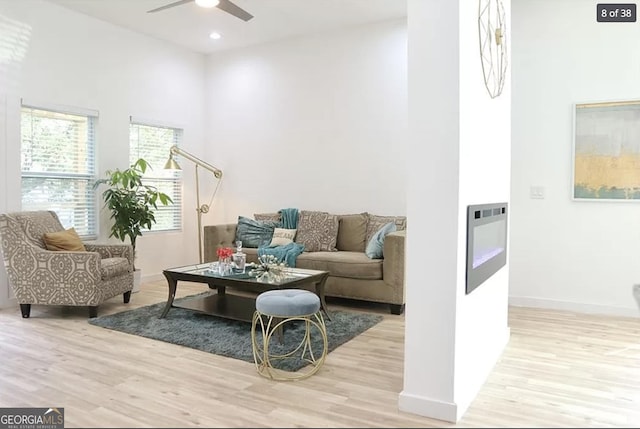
[224, 5]
[207, 3]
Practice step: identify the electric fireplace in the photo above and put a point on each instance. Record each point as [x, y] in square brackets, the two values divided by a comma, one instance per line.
[486, 242]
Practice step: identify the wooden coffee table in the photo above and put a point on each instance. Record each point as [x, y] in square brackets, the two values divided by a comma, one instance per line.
[232, 306]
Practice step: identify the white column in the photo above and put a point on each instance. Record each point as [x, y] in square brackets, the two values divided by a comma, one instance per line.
[452, 340]
[9, 174]
[4, 287]
[432, 207]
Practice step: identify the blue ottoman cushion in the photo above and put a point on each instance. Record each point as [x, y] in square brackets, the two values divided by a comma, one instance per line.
[287, 303]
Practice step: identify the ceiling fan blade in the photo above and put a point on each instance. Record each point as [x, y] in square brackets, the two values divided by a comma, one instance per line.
[167, 6]
[234, 10]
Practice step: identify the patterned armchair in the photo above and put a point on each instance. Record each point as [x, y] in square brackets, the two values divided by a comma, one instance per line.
[41, 276]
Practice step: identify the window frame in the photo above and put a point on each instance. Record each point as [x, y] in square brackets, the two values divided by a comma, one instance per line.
[177, 180]
[91, 202]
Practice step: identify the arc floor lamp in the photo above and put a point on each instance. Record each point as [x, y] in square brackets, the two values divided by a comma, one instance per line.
[172, 164]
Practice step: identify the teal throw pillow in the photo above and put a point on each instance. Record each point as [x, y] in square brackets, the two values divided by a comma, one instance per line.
[255, 233]
[376, 243]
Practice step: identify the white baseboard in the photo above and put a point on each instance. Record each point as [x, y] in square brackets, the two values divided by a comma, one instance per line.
[578, 307]
[152, 277]
[9, 303]
[428, 407]
[453, 411]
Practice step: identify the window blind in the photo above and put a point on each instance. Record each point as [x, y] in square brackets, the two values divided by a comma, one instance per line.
[58, 166]
[153, 144]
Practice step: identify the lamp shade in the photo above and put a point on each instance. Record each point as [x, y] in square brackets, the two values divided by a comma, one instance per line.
[172, 164]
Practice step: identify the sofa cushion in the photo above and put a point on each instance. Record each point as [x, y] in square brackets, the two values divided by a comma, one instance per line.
[254, 233]
[342, 264]
[375, 246]
[112, 267]
[317, 231]
[376, 222]
[352, 232]
[67, 240]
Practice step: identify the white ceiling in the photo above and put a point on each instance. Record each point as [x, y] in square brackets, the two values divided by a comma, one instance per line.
[189, 25]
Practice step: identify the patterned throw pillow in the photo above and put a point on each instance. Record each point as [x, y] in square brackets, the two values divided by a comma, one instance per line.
[377, 222]
[272, 217]
[317, 231]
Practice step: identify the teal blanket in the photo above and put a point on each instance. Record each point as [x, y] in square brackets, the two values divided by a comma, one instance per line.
[289, 218]
[289, 252]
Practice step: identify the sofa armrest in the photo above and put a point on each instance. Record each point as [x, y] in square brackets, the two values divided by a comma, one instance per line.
[112, 251]
[216, 236]
[393, 264]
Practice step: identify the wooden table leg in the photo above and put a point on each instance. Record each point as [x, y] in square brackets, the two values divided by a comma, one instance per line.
[173, 285]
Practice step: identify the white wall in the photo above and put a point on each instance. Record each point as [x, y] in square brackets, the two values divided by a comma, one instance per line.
[452, 340]
[568, 254]
[316, 123]
[54, 56]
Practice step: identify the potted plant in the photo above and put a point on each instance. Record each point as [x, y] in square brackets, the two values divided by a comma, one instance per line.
[132, 203]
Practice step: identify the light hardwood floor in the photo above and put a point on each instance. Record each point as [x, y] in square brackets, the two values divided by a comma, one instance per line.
[560, 369]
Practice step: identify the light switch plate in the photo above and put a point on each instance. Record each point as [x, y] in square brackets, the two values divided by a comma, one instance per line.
[536, 192]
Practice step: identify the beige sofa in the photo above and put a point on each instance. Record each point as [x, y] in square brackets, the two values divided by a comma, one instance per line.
[351, 273]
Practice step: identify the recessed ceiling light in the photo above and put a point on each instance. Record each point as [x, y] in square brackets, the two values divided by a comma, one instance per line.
[215, 35]
[207, 3]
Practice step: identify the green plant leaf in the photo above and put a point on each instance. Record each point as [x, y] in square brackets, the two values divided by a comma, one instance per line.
[130, 202]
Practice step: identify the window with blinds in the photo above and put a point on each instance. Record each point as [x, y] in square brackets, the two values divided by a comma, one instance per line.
[58, 166]
[153, 143]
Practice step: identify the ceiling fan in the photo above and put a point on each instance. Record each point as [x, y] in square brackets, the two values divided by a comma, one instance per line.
[225, 5]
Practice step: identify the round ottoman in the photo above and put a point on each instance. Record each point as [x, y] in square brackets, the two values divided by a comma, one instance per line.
[307, 344]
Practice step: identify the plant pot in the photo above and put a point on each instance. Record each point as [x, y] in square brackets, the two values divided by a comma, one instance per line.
[137, 279]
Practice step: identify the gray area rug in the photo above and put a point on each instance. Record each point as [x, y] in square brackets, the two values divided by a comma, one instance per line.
[230, 338]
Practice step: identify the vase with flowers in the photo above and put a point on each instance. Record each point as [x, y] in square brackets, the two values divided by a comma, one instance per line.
[224, 260]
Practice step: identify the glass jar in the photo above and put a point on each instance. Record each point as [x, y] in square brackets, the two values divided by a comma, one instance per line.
[239, 262]
[224, 266]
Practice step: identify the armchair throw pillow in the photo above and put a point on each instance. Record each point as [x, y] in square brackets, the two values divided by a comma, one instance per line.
[68, 240]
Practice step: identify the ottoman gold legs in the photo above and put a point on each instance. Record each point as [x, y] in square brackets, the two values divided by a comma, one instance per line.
[270, 325]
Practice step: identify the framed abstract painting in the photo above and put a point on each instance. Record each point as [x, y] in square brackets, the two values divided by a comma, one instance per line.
[606, 151]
